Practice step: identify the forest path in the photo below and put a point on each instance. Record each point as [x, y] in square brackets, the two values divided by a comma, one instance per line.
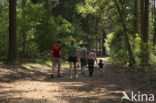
[32, 84]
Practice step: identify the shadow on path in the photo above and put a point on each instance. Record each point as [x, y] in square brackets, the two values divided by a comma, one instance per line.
[82, 90]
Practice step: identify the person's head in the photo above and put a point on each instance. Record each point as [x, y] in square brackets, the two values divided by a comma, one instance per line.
[72, 42]
[100, 60]
[81, 45]
[86, 46]
[59, 42]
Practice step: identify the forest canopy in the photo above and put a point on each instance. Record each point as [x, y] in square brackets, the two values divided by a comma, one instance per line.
[123, 30]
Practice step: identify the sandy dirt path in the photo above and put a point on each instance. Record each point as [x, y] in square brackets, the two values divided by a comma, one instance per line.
[32, 84]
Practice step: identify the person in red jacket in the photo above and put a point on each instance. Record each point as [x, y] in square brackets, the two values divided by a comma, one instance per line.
[56, 58]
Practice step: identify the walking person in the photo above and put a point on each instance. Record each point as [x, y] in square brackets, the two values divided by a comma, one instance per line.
[56, 58]
[83, 58]
[72, 54]
[101, 68]
[91, 59]
[78, 56]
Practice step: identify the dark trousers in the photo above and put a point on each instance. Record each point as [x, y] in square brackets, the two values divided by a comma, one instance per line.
[91, 66]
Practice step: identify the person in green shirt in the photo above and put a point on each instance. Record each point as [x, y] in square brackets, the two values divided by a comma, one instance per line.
[72, 54]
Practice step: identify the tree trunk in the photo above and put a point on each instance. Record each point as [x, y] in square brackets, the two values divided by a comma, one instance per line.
[144, 31]
[12, 31]
[136, 17]
[23, 33]
[154, 14]
[103, 41]
[142, 15]
[95, 33]
[96, 45]
[145, 37]
[24, 42]
[124, 25]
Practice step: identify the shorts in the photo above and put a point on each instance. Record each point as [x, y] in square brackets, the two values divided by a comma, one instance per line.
[83, 62]
[101, 70]
[72, 59]
[56, 60]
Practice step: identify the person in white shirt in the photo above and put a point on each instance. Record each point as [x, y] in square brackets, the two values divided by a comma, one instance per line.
[83, 58]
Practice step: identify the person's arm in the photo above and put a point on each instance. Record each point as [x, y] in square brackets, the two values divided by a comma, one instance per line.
[95, 58]
[76, 52]
[86, 54]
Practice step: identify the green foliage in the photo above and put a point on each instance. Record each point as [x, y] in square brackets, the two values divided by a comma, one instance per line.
[50, 31]
[37, 30]
[77, 32]
[28, 17]
[41, 23]
[3, 29]
[89, 7]
[115, 46]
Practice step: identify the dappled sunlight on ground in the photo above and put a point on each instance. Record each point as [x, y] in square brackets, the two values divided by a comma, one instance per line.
[31, 83]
